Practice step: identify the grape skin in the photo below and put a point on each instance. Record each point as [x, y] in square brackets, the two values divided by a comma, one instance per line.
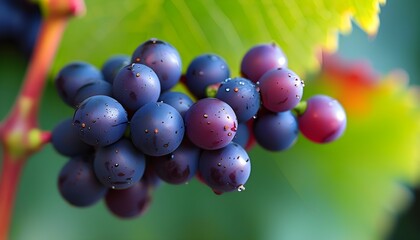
[226, 169]
[118, 165]
[205, 70]
[324, 119]
[210, 123]
[78, 184]
[100, 120]
[260, 59]
[163, 58]
[180, 101]
[113, 65]
[276, 131]
[242, 95]
[281, 89]
[135, 85]
[157, 129]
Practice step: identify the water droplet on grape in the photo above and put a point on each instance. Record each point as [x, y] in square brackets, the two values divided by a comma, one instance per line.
[137, 74]
[205, 115]
[241, 188]
[116, 165]
[227, 89]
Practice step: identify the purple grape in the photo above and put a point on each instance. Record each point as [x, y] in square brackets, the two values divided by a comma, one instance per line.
[281, 89]
[210, 123]
[163, 58]
[180, 166]
[180, 101]
[65, 140]
[276, 131]
[226, 169]
[242, 95]
[157, 129]
[73, 77]
[100, 120]
[205, 70]
[113, 65]
[324, 119]
[135, 85]
[99, 87]
[77, 183]
[131, 202]
[118, 165]
[242, 135]
[260, 59]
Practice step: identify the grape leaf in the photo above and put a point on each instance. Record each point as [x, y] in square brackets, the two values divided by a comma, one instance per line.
[228, 28]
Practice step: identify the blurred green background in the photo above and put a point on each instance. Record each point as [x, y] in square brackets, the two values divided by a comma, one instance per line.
[351, 189]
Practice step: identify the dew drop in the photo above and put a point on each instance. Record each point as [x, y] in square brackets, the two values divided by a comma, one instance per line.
[146, 130]
[83, 125]
[236, 89]
[297, 96]
[227, 89]
[205, 115]
[156, 130]
[113, 187]
[137, 74]
[241, 188]
[219, 164]
[116, 165]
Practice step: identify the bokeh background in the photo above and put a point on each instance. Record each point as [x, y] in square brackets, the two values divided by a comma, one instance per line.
[353, 189]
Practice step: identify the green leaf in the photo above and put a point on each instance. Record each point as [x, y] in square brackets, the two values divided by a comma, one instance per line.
[228, 28]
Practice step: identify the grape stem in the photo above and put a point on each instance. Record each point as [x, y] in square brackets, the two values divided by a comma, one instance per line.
[20, 136]
[300, 108]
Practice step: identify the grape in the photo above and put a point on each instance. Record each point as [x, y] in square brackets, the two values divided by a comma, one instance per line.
[99, 87]
[210, 123]
[131, 202]
[180, 166]
[163, 58]
[225, 169]
[150, 176]
[242, 95]
[113, 65]
[242, 135]
[73, 77]
[135, 85]
[118, 165]
[260, 59]
[281, 89]
[276, 131]
[65, 140]
[157, 129]
[324, 119]
[180, 101]
[78, 184]
[100, 120]
[205, 70]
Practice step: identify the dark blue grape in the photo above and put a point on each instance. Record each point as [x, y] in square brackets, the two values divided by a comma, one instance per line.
[99, 87]
[226, 169]
[150, 176]
[163, 58]
[276, 131]
[135, 85]
[119, 165]
[131, 202]
[324, 119]
[180, 101]
[180, 166]
[210, 123]
[100, 120]
[242, 135]
[281, 89]
[113, 65]
[73, 77]
[242, 95]
[260, 59]
[78, 184]
[205, 70]
[65, 140]
[157, 129]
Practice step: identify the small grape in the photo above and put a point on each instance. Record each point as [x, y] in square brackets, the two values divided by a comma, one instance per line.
[157, 129]
[226, 169]
[118, 165]
[99, 87]
[163, 58]
[78, 184]
[180, 101]
[281, 89]
[324, 119]
[242, 135]
[242, 95]
[260, 59]
[205, 70]
[135, 85]
[100, 120]
[113, 65]
[210, 123]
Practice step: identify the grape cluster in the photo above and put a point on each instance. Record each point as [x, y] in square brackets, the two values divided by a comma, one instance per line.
[130, 130]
